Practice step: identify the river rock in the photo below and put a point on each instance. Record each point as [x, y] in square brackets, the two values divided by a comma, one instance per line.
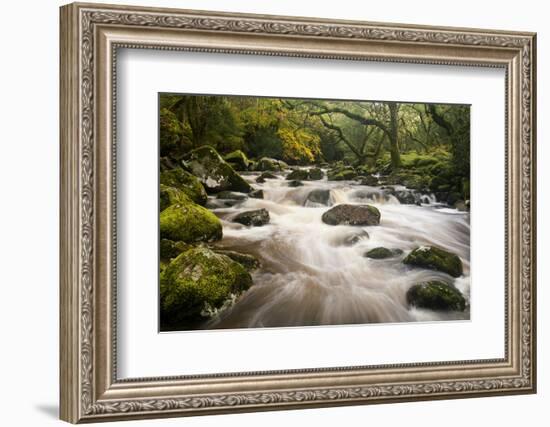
[170, 195]
[214, 173]
[383, 253]
[319, 196]
[298, 174]
[268, 175]
[250, 262]
[352, 215]
[197, 283]
[355, 238]
[269, 164]
[238, 160]
[260, 180]
[436, 295]
[231, 195]
[434, 258]
[295, 183]
[169, 249]
[184, 181]
[341, 174]
[315, 174]
[256, 194]
[188, 222]
[369, 180]
[255, 218]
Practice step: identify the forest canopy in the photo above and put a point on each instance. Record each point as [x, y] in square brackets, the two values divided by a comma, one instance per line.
[382, 135]
[309, 131]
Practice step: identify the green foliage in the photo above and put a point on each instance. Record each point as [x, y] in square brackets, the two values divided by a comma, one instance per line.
[384, 136]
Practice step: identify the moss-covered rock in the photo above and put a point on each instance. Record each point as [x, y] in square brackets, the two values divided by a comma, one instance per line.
[170, 249]
[214, 173]
[369, 180]
[269, 164]
[315, 174]
[435, 295]
[268, 175]
[299, 174]
[352, 215]
[184, 181]
[250, 262]
[344, 173]
[255, 218]
[238, 160]
[188, 222]
[383, 253]
[170, 195]
[434, 258]
[295, 183]
[196, 284]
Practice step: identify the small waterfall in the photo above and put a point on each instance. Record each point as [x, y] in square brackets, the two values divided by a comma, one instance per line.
[316, 274]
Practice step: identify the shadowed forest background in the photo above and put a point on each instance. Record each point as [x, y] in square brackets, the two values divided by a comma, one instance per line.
[302, 212]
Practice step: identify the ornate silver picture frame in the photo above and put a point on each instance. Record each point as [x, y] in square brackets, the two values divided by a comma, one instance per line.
[91, 390]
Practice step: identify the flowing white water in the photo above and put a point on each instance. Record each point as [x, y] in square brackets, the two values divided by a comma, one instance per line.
[312, 275]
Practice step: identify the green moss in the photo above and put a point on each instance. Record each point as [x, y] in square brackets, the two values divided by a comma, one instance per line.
[197, 282]
[238, 160]
[184, 181]
[170, 196]
[214, 173]
[170, 249]
[434, 258]
[435, 295]
[188, 222]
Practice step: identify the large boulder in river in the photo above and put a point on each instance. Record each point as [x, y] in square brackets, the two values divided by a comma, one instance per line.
[215, 174]
[435, 295]
[255, 218]
[184, 181]
[434, 258]
[188, 222]
[269, 164]
[319, 196]
[352, 215]
[238, 160]
[196, 284]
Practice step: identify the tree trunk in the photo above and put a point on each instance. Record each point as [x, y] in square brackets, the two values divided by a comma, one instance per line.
[393, 134]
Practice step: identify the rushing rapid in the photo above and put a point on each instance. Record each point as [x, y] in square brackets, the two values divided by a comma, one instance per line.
[316, 274]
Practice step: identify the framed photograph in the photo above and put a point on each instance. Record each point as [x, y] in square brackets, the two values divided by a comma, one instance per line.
[265, 212]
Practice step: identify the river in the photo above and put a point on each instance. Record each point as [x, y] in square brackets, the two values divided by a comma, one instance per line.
[316, 274]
